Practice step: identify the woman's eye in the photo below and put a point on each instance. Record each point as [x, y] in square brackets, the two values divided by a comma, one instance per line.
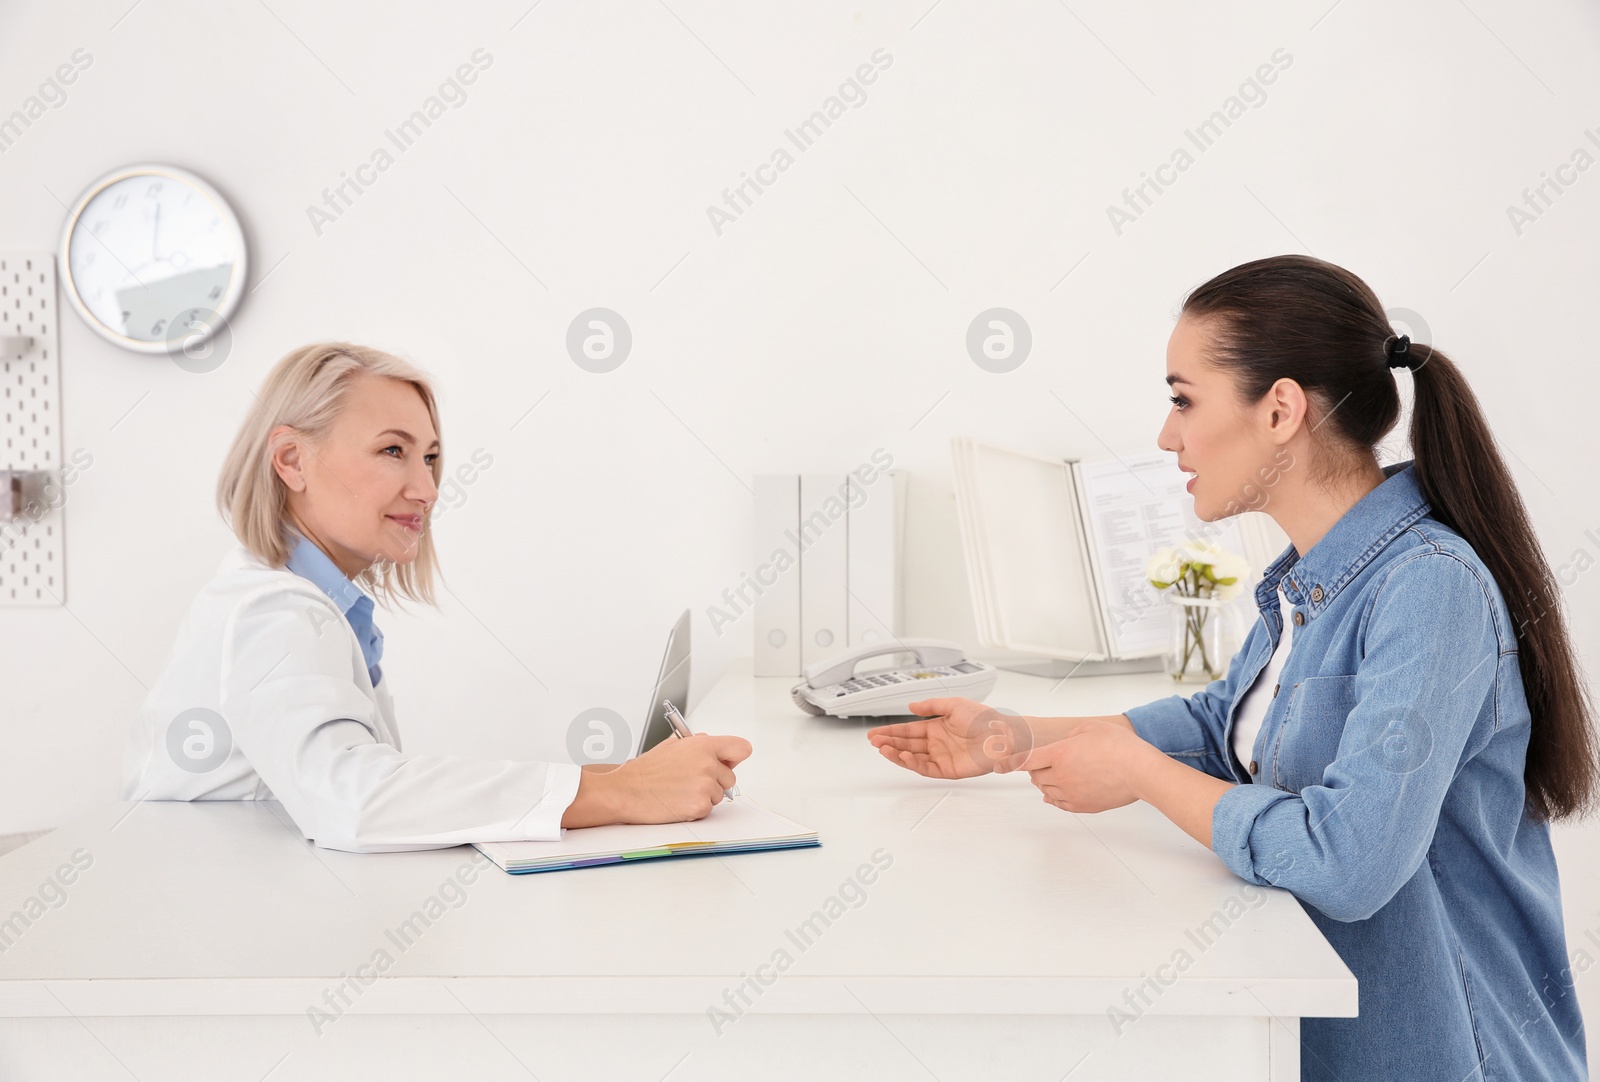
[428, 458]
[1178, 401]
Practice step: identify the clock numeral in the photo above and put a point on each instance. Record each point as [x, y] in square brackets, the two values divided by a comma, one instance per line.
[98, 226]
[120, 202]
[159, 324]
[153, 190]
[88, 259]
[216, 291]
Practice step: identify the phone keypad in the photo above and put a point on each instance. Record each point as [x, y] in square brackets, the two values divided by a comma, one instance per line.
[863, 683]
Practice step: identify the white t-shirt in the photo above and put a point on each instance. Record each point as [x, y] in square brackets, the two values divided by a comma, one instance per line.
[1253, 707]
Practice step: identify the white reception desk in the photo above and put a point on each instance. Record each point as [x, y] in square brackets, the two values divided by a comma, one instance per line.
[967, 931]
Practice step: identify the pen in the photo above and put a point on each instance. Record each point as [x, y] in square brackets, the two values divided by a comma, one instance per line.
[680, 729]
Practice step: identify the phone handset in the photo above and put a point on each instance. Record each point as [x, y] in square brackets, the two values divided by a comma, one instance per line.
[928, 652]
[941, 669]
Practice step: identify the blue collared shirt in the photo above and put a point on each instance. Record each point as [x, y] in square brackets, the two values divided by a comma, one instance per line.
[1385, 791]
[310, 562]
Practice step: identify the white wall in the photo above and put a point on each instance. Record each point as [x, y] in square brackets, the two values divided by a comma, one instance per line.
[827, 321]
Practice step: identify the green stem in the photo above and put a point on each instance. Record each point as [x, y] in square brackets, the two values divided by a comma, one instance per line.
[1200, 637]
[1193, 638]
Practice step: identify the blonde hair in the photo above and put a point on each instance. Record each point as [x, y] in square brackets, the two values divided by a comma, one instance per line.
[306, 390]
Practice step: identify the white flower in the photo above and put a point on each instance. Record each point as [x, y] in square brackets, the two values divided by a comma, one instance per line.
[1197, 561]
[1216, 572]
[1164, 568]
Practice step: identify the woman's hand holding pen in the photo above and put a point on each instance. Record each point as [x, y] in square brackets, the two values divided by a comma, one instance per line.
[675, 781]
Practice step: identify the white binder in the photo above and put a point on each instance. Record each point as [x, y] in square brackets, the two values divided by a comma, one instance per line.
[777, 607]
[824, 562]
[843, 588]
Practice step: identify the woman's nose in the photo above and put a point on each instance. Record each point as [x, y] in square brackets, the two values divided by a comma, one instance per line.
[422, 486]
[1164, 438]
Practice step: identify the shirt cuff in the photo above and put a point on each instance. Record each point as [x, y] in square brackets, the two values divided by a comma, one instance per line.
[543, 823]
[1167, 723]
[1233, 819]
[1172, 726]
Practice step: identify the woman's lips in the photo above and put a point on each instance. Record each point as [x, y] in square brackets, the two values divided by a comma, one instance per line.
[410, 522]
[1190, 486]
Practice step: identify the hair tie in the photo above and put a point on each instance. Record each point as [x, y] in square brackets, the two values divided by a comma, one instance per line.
[1398, 350]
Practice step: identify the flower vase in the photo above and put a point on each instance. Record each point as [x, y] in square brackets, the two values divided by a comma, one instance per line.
[1205, 636]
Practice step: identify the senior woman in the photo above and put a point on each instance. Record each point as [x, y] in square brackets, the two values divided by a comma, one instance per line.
[275, 688]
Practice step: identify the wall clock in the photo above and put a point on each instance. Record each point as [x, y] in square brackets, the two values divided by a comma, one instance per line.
[153, 258]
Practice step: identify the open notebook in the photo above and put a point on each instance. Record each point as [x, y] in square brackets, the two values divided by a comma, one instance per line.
[739, 825]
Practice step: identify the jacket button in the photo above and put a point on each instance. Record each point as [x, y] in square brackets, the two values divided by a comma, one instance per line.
[1254, 766]
[1299, 618]
[1316, 593]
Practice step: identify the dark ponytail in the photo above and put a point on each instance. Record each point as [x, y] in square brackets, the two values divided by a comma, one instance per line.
[1300, 318]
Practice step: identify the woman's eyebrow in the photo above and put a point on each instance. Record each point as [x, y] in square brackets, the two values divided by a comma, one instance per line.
[405, 436]
[1175, 378]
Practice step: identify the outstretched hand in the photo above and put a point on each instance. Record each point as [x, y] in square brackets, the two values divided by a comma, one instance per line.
[958, 738]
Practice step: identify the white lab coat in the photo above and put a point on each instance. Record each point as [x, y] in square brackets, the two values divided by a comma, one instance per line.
[272, 655]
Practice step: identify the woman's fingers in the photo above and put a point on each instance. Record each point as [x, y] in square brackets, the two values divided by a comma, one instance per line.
[1005, 764]
[910, 760]
[907, 741]
[928, 707]
[918, 729]
[732, 750]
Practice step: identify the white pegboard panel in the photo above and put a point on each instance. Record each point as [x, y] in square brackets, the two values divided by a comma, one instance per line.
[32, 561]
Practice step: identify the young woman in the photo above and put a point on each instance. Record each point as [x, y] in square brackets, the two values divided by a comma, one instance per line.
[1401, 724]
[274, 688]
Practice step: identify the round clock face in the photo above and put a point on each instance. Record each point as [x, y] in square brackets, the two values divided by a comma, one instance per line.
[154, 258]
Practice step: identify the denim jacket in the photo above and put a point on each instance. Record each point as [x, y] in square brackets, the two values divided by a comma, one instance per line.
[1385, 792]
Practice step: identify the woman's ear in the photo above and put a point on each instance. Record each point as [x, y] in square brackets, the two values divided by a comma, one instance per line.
[286, 460]
[1286, 407]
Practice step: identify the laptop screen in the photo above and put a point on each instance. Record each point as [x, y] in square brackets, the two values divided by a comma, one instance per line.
[671, 683]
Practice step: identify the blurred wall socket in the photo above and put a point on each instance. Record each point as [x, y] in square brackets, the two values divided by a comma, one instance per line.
[22, 494]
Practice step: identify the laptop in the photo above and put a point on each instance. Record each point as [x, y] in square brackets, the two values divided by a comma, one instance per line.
[672, 683]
